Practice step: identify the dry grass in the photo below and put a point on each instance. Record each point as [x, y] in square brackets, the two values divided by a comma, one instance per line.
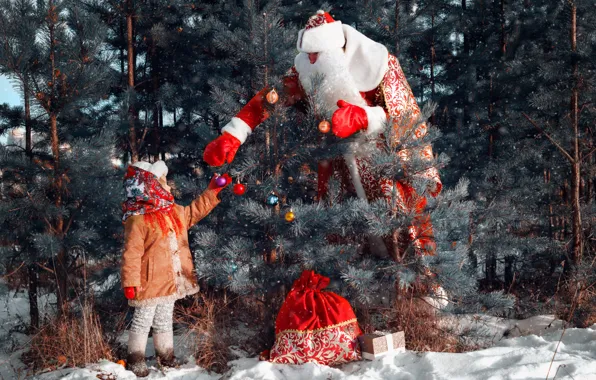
[419, 321]
[207, 324]
[577, 303]
[69, 341]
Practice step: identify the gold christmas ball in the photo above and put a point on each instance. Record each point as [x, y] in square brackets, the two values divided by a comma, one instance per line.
[272, 96]
[290, 216]
[324, 126]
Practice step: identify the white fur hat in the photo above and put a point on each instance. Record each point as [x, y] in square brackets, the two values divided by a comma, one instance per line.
[321, 33]
[158, 168]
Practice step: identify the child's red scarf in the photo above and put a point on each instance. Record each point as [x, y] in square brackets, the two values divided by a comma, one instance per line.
[145, 196]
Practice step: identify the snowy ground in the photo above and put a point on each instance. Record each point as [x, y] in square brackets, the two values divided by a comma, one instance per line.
[525, 357]
[14, 313]
[517, 350]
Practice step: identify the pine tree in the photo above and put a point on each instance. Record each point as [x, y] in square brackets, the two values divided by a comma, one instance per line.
[551, 66]
[58, 207]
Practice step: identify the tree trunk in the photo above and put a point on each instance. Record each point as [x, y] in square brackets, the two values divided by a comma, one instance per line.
[509, 271]
[491, 270]
[163, 153]
[576, 173]
[577, 220]
[61, 271]
[57, 226]
[589, 196]
[154, 59]
[503, 34]
[464, 7]
[28, 132]
[122, 76]
[132, 134]
[432, 64]
[396, 28]
[33, 306]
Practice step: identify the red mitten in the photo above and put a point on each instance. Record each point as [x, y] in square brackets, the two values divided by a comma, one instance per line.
[348, 119]
[129, 293]
[221, 150]
[215, 187]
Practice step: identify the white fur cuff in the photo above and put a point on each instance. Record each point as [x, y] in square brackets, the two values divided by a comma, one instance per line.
[238, 128]
[321, 38]
[376, 119]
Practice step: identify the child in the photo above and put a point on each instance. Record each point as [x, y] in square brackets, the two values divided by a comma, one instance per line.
[157, 267]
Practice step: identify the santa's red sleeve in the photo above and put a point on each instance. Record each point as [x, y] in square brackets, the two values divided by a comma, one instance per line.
[400, 102]
[255, 111]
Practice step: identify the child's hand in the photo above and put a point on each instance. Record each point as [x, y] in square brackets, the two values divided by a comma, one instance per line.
[214, 186]
[129, 293]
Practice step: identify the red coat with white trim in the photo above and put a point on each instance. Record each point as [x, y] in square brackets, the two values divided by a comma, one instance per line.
[392, 97]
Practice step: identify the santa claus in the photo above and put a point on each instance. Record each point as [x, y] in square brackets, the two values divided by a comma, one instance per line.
[366, 87]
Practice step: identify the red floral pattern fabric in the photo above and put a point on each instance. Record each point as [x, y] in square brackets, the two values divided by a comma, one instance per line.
[315, 325]
[401, 103]
[145, 196]
[320, 18]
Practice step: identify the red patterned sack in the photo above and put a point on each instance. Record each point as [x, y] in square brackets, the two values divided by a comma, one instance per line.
[315, 325]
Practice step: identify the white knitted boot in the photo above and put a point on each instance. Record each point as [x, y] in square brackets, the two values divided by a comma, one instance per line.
[164, 349]
[137, 343]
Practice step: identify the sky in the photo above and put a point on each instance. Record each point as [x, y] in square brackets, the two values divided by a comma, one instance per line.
[8, 93]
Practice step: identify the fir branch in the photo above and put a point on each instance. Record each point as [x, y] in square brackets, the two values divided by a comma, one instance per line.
[561, 149]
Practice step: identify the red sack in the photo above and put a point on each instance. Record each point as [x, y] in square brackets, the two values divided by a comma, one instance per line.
[315, 326]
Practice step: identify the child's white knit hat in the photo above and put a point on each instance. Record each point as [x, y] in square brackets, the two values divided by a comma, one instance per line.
[158, 168]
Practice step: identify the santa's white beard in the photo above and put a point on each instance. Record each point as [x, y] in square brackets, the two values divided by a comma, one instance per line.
[337, 83]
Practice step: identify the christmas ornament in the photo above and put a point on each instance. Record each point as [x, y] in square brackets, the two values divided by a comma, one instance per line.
[221, 181]
[324, 126]
[234, 267]
[290, 216]
[272, 199]
[239, 189]
[121, 362]
[272, 96]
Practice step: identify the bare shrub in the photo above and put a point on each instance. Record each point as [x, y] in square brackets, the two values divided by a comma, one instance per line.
[207, 330]
[68, 341]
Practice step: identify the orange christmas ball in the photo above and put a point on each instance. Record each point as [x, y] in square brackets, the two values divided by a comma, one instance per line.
[324, 126]
[121, 362]
[290, 216]
[61, 359]
[272, 96]
[239, 189]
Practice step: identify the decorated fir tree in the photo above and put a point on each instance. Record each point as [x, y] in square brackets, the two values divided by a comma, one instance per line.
[350, 228]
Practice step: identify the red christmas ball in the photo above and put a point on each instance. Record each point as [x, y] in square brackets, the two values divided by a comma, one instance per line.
[239, 189]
